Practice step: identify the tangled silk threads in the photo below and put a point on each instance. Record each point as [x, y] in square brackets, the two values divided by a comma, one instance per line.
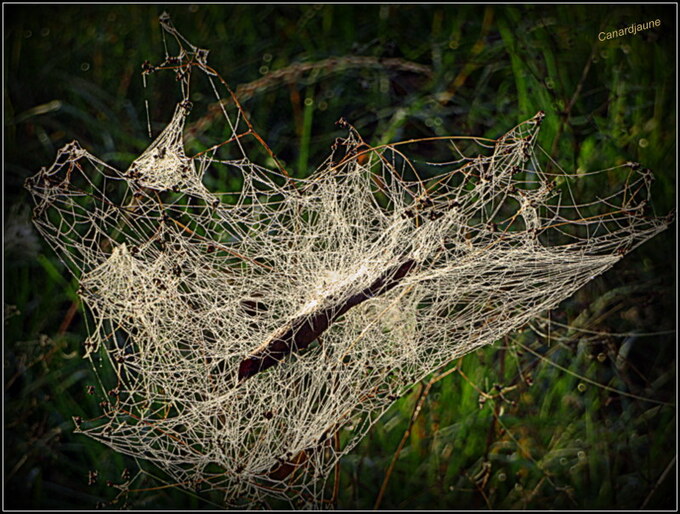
[233, 340]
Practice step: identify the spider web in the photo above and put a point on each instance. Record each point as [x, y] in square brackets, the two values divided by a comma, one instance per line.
[244, 342]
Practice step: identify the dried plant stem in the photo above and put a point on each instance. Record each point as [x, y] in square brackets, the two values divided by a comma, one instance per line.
[420, 401]
[68, 319]
[593, 382]
[659, 482]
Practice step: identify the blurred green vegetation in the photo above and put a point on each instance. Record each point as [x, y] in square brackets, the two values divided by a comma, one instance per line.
[555, 431]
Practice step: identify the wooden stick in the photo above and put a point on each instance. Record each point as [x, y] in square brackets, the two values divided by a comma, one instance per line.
[301, 331]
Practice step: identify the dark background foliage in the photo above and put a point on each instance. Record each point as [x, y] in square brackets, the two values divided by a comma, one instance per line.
[561, 435]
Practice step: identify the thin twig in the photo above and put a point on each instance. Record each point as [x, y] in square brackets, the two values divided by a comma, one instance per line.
[567, 111]
[336, 483]
[68, 319]
[593, 382]
[422, 396]
[659, 482]
[291, 74]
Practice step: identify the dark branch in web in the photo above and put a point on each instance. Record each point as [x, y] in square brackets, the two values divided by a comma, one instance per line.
[303, 330]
